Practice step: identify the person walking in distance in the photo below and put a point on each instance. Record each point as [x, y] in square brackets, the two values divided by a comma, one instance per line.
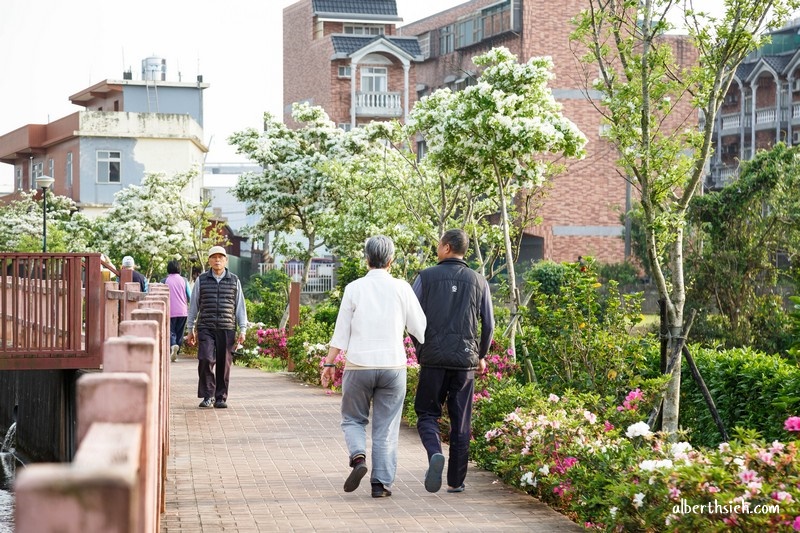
[179, 295]
[216, 310]
[129, 264]
[375, 311]
[457, 304]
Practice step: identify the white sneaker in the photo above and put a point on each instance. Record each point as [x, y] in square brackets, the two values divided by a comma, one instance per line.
[173, 356]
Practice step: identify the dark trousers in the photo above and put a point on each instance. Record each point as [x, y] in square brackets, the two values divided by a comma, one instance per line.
[438, 386]
[214, 347]
[177, 326]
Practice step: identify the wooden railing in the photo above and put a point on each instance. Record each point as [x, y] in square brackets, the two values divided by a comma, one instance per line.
[53, 311]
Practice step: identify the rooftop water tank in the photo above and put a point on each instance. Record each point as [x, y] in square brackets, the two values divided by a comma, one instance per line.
[154, 68]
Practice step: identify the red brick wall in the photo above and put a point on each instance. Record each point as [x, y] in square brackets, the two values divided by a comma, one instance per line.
[304, 59]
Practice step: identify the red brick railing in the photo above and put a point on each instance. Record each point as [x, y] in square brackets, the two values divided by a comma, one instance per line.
[116, 481]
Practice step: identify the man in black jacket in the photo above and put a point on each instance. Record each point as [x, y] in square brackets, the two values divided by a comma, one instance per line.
[216, 310]
[456, 300]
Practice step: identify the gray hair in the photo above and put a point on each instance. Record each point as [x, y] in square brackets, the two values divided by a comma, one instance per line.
[379, 251]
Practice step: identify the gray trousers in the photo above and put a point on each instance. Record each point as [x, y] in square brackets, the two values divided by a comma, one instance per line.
[386, 388]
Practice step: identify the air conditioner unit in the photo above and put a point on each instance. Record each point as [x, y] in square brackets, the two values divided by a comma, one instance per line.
[796, 137]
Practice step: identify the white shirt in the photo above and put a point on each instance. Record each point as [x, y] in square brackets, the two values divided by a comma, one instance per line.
[374, 312]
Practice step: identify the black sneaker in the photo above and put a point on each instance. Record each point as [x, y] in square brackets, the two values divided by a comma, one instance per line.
[206, 403]
[433, 476]
[358, 471]
[220, 404]
[379, 491]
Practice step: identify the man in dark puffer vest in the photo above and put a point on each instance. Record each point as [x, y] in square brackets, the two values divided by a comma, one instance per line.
[216, 310]
[456, 299]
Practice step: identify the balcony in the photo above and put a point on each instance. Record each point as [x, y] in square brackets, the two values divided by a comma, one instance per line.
[378, 104]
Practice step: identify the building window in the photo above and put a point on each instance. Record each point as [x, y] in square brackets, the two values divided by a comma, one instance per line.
[364, 29]
[374, 79]
[51, 171]
[18, 176]
[346, 126]
[425, 45]
[496, 19]
[345, 72]
[68, 170]
[446, 39]
[422, 149]
[108, 166]
[36, 171]
[468, 32]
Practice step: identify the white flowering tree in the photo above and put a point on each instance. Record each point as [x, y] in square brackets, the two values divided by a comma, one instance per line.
[499, 137]
[662, 151]
[291, 194]
[153, 222]
[21, 225]
[378, 185]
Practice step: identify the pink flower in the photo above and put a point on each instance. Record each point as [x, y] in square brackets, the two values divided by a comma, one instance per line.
[553, 398]
[607, 426]
[510, 352]
[674, 493]
[796, 525]
[783, 496]
[792, 423]
[749, 476]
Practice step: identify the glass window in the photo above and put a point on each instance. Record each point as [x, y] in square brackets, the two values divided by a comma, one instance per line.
[364, 29]
[51, 168]
[446, 39]
[68, 169]
[19, 177]
[38, 170]
[374, 79]
[344, 72]
[108, 166]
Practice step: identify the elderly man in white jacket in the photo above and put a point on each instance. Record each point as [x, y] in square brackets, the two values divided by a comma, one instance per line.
[375, 311]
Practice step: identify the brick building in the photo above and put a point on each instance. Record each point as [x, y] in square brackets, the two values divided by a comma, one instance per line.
[345, 56]
[581, 214]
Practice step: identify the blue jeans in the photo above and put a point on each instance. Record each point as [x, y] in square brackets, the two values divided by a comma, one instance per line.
[386, 388]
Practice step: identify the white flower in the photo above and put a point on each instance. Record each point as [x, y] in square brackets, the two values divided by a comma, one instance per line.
[613, 512]
[679, 450]
[553, 398]
[590, 417]
[527, 479]
[639, 429]
[545, 470]
[724, 447]
[638, 499]
[651, 465]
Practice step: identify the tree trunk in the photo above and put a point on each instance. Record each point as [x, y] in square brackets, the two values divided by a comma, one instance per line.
[513, 298]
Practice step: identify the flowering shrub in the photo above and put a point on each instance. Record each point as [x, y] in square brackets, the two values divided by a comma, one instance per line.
[272, 343]
[608, 471]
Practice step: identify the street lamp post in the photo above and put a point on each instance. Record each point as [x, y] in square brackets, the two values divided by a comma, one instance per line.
[44, 183]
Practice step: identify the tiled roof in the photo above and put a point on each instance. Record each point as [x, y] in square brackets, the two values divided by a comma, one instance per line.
[356, 7]
[777, 62]
[347, 44]
[744, 70]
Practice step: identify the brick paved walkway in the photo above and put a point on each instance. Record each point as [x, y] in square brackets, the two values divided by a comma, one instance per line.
[275, 461]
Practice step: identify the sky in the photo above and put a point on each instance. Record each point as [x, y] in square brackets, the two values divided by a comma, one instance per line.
[51, 49]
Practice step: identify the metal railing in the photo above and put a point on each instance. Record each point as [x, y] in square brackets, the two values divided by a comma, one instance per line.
[320, 275]
[53, 311]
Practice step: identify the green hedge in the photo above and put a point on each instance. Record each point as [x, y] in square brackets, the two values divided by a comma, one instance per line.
[750, 389]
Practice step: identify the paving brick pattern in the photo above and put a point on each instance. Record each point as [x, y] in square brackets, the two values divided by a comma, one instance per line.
[275, 461]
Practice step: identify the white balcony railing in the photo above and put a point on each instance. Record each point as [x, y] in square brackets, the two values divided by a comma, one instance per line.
[766, 117]
[378, 104]
[320, 275]
[731, 122]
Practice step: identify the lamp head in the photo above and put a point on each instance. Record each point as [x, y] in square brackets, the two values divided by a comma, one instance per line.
[44, 182]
